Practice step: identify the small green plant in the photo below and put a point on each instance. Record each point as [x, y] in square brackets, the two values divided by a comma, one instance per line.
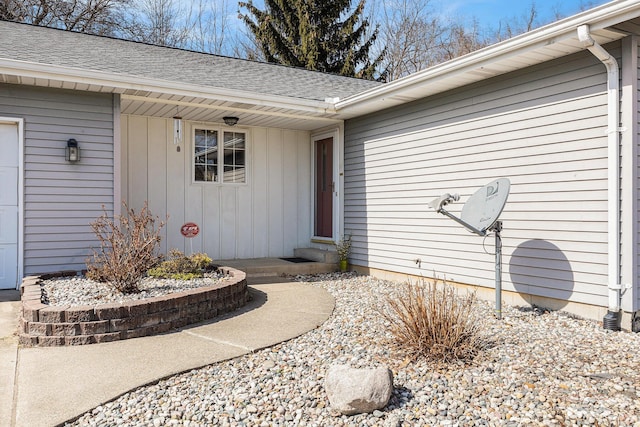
[128, 248]
[434, 322]
[343, 247]
[181, 267]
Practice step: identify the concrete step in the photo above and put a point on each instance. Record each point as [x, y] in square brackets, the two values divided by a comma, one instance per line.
[270, 267]
[318, 255]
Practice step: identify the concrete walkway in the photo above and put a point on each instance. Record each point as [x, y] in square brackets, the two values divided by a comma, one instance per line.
[9, 308]
[55, 384]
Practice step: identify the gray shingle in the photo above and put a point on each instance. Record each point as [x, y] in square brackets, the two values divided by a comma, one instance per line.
[87, 52]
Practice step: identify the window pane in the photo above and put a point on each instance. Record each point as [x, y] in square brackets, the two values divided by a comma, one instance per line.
[234, 140]
[200, 141]
[205, 155]
[234, 157]
[233, 174]
[228, 157]
[240, 175]
[200, 172]
[239, 158]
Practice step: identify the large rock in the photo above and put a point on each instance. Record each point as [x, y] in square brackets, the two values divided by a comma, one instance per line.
[356, 391]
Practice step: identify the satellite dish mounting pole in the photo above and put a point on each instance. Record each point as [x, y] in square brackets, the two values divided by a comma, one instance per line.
[497, 227]
[479, 215]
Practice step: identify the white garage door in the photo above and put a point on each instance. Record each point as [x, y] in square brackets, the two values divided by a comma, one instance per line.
[9, 206]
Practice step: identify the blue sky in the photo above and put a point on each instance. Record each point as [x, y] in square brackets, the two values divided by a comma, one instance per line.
[489, 13]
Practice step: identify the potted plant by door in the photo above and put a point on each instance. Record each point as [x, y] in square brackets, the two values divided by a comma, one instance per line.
[343, 247]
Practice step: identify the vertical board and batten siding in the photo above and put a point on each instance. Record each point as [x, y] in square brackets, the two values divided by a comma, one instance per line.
[266, 217]
[61, 199]
[541, 127]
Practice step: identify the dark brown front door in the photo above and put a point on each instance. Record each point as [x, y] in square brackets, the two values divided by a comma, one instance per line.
[324, 188]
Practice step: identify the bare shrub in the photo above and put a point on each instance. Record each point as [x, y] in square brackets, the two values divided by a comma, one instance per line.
[434, 322]
[128, 248]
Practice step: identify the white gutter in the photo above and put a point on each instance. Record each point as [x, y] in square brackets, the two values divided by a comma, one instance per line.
[601, 17]
[613, 193]
[276, 113]
[123, 82]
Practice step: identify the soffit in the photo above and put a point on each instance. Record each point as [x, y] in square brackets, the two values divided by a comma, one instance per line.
[205, 108]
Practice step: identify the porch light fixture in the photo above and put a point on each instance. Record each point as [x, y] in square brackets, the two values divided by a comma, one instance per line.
[230, 120]
[72, 151]
[177, 130]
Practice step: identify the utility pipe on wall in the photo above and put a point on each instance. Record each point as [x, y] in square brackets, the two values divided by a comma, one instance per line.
[611, 320]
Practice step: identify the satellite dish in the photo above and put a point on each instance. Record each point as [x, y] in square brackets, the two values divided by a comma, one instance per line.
[483, 208]
[480, 214]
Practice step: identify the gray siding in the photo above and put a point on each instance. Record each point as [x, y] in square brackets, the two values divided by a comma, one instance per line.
[61, 199]
[543, 128]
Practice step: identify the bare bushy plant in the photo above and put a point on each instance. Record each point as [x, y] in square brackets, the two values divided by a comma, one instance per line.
[434, 322]
[182, 267]
[128, 248]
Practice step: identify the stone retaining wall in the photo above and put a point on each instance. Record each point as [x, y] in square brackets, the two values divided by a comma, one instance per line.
[45, 325]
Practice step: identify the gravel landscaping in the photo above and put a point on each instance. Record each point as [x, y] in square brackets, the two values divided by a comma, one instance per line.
[78, 290]
[544, 368]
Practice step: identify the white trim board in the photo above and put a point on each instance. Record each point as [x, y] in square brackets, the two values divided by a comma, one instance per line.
[20, 123]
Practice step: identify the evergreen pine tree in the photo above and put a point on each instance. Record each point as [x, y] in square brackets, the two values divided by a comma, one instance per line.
[312, 35]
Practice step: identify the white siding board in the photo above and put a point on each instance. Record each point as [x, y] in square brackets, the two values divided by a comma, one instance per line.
[290, 188]
[260, 185]
[275, 180]
[542, 127]
[157, 173]
[212, 226]
[252, 220]
[244, 227]
[175, 197]
[228, 227]
[137, 162]
[194, 212]
[303, 195]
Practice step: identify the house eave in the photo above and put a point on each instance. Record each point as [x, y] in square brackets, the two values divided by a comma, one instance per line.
[543, 44]
[298, 113]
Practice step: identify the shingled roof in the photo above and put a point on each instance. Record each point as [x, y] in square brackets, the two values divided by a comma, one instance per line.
[56, 47]
[156, 80]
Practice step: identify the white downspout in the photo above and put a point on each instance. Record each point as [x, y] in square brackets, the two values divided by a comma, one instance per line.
[613, 193]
